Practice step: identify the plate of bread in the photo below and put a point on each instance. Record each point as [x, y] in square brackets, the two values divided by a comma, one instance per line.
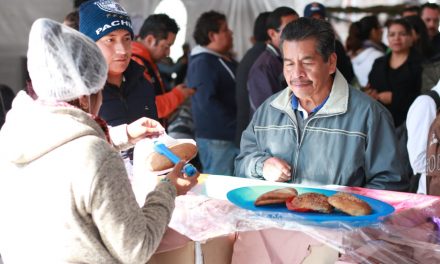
[310, 204]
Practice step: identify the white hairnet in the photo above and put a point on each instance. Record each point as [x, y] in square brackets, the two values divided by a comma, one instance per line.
[63, 63]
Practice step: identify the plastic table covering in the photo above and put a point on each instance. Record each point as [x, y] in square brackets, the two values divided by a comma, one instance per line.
[409, 235]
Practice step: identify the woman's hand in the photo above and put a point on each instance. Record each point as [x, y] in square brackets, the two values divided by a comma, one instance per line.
[180, 180]
[144, 128]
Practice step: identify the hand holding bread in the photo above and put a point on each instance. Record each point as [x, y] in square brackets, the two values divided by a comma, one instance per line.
[181, 181]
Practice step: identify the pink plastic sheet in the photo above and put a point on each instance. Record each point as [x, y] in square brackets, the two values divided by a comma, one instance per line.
[409, 235]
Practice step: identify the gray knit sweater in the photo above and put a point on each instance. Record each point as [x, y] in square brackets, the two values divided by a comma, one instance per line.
[64, 192]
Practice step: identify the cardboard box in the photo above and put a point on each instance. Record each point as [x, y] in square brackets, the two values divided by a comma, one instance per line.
[214, 251]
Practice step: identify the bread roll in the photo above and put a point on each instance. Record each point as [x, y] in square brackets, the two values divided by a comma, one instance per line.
[349, 204]
[277, 196]
[307, 202]
[158, 162]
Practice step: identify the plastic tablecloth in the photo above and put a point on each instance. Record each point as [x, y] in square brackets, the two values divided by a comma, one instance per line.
[409, 235]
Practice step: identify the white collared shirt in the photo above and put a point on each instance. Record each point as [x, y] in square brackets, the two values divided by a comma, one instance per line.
[420, 116]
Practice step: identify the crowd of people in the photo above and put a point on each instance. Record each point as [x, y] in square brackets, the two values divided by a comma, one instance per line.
[300, 107]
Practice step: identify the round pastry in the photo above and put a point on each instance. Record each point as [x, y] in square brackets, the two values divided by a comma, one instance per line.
[277, 196]
[349, 204]
[310, 202]
[158, 162]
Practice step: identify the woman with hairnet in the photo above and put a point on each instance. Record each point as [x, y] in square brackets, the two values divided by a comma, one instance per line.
[64, 191]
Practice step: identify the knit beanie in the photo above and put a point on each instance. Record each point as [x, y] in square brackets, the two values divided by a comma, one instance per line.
[100, 17]
[63, 64]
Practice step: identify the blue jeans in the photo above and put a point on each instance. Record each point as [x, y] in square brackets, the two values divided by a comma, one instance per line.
[217, 156]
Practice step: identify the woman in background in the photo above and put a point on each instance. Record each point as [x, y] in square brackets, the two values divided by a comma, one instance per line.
[364, 46]
[395, 79]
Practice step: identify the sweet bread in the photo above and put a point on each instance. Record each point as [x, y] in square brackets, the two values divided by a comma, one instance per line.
[307, 202]
[158, 162]
[277, 196]
[349, 204]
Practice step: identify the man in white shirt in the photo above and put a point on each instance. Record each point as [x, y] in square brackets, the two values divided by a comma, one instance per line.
[420, 116]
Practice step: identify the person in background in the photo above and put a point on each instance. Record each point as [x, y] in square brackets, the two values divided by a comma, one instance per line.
[410, 10]
[317, 10]
[6, 97]
[72, 20]
[421, 41]
[259, 39]
[430, 14]
[183, 61]
[395, 79]
[212, 73]
[265, 76]
[156, 37]
[66, 174]
[421, 114]
[364, 46]
[168, 71]
[127, 96]
[319, 130]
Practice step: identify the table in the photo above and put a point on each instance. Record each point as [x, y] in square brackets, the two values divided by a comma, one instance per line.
[407, 236]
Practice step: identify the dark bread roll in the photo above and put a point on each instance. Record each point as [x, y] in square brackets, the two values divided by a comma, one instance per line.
[307, 202]
[349, 204]
[158, 162]
[277, 196]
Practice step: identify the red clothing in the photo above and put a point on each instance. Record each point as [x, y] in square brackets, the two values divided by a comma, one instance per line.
[166, 102]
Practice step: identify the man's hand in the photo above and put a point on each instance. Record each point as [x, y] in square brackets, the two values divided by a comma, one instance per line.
[144, 128]
[278, 170]
[181, 181]
[187, 92]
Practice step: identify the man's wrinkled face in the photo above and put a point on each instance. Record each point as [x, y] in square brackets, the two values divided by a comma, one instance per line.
[305, 70]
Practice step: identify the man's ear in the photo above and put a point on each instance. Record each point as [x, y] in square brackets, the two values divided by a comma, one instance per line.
[149, 41]
[211, 36]
[332, 62]
[271, 33]
[84, 103]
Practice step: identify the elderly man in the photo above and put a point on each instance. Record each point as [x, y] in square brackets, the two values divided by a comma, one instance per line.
[319, 130]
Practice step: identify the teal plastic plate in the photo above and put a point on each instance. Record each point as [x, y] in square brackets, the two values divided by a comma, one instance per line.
[245, 197]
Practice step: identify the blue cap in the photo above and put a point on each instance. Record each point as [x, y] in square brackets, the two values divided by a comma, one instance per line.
[99, 18]
[314, 8]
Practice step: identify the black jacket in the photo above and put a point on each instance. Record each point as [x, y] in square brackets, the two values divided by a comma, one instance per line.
[404, 82]
[133, 100]
[241, 91]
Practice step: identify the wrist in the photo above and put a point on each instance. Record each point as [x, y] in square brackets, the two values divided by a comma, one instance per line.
[165, 179]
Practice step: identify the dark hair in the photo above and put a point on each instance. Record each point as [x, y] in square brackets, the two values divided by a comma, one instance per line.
[360, 31]
[158, 25]
[411, 8]
[207, 22]
[430, 6]
[274, 18]
[260, 29]
[423, 44]
[401, 21]
[72, 20]
[307, 28]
